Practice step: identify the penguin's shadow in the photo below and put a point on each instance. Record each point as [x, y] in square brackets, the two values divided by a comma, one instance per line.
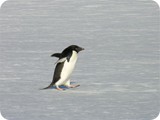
[62, 86]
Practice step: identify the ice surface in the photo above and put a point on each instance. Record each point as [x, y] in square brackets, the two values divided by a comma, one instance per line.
[118, 71]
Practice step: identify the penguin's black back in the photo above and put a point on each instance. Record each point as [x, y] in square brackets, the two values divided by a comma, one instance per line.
[57, 72]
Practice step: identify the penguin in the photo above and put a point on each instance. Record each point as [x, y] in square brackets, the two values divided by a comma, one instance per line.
[64, 67]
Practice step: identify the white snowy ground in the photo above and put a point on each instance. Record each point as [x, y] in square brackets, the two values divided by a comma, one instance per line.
[118, 71]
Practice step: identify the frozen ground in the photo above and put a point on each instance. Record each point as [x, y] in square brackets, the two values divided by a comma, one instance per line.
[118, 71]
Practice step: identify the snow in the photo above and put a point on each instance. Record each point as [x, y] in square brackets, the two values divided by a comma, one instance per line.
[118, 71]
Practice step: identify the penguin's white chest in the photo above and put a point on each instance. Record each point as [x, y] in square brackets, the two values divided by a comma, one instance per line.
[68, 68]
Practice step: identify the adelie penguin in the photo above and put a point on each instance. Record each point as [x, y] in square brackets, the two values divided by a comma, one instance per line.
[64, 67]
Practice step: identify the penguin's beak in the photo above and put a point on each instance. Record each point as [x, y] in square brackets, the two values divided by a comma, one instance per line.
[80, 49]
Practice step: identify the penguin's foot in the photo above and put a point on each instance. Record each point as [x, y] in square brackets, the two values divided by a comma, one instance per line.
[73, 86]
[60, 89]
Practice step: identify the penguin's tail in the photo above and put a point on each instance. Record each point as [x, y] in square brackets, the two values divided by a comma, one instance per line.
[47, 87]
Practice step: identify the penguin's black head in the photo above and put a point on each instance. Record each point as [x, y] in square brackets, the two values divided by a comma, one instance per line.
[76, 48]
[71, 48]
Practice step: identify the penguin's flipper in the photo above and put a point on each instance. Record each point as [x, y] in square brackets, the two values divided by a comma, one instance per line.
[58, 55]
